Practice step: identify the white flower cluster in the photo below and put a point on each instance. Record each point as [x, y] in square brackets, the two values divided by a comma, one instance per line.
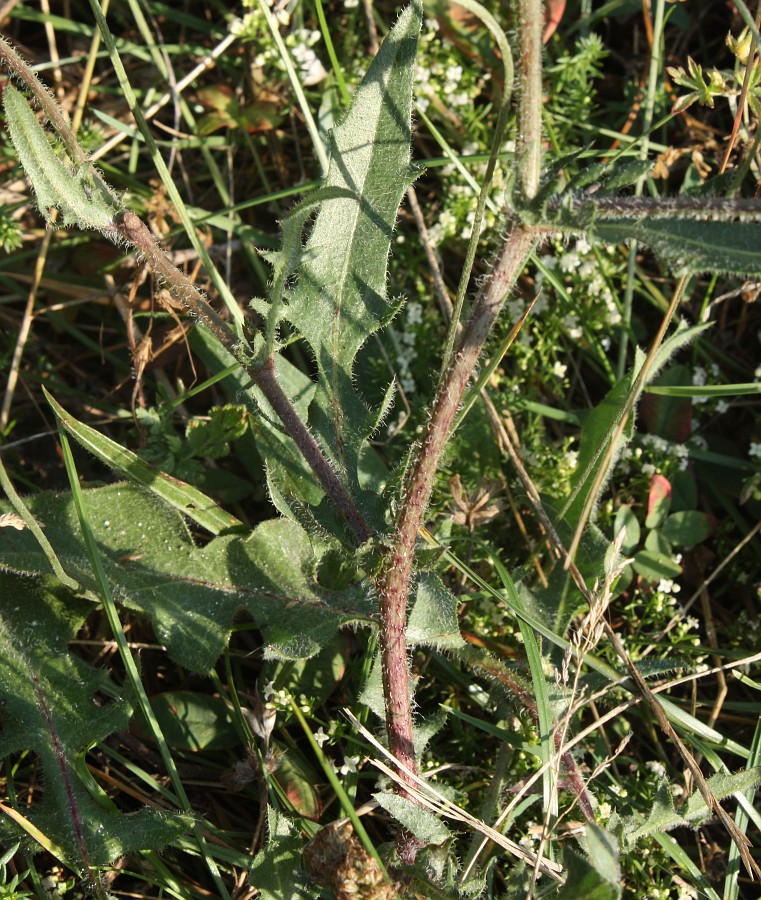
[439, 75]
[253, 27]
[665, 448]
[301, 43]
[405, 341]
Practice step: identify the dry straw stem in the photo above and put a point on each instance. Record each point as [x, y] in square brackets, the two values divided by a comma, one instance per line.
[609, 716]
[427, 795]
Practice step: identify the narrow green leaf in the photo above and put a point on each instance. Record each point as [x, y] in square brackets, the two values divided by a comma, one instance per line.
[182, 497]
[707, 390]
[602, 423]
[626, 519]
[81, 197]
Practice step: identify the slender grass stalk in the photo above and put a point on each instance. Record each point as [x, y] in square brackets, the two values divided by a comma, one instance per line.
[499, 131]
[334, 63]
[343, 798]
[636, 389]
[158, 161]
[644, 149]
[285, 56]
[31, 523]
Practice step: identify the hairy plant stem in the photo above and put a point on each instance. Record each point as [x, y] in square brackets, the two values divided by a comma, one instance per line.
[528, 141]
[393, 582]
[131, 228]
[47, 101]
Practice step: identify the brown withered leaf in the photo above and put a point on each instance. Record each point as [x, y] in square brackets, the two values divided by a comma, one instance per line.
[334, 857]
[473, 509]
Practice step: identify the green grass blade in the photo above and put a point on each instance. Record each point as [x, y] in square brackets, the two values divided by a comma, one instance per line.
[181, 496]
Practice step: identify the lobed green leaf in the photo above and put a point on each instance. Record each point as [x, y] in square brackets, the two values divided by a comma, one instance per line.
[340, 296]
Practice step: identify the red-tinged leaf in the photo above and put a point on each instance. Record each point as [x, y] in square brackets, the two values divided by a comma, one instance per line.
[669, 417]
[658, 501]
[298, 779]
[553, 13]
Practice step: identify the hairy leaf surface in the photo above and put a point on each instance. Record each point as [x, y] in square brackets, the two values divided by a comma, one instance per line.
[688, 245]
[48, 699]
[193, 593]
[340, 296]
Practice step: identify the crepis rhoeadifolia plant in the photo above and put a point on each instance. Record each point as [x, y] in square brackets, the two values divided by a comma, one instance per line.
[338, 509]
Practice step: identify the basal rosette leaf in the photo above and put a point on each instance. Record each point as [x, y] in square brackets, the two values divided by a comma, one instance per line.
[192, 594]
[48, 697]
[340, 296]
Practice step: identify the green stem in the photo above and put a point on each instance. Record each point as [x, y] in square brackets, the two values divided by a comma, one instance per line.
[335, 65]
[647, 123]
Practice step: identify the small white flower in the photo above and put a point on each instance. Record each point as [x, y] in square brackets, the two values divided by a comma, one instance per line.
[604, 811]
[569, 262]
[656, 767]
[350, 765]
[453, 73]
[699, 376]
[721, 407]
[665, 585]
[755, 449]
[320, 736]
[414, 313]
[572, 459]
[559, 370]
[269, 691]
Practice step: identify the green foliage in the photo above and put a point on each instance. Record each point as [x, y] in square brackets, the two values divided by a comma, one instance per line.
[191, 593]
[50, 709]
[666, 530]
[426, 827]
[664, 816]
[299, 578]
[82, 198]
[276, 871]
[9, 886]
[340, 296]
